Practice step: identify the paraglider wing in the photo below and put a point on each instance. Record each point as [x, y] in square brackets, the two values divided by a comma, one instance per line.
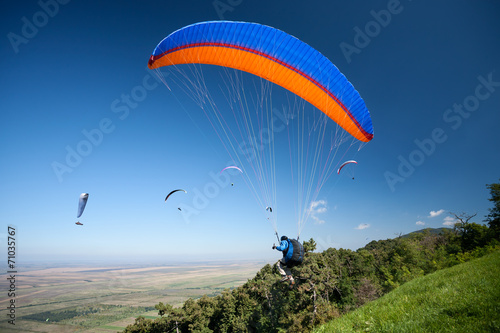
[275, 56]
[82, 202]
[269, 209]
[174, 192]
[344, 164]
[232, 167]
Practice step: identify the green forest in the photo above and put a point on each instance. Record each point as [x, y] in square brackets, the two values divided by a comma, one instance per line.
[332, 283]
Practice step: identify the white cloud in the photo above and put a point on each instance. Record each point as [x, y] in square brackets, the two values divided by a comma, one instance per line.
[317, 207]
[436, 213]
[362, 226]
[449, 221]
[420, 223]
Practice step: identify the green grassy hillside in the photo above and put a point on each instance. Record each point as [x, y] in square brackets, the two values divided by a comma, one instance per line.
[463, 298]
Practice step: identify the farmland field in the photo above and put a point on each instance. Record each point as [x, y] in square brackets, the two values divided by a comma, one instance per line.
[99, 298]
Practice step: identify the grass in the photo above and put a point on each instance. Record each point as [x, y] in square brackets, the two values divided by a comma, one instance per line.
[151, 317]
[463, 298]
[107, 327]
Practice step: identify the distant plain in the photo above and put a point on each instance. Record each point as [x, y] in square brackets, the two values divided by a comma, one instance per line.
[106, 298]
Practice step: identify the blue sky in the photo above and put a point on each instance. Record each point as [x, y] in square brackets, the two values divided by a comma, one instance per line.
[75, 77]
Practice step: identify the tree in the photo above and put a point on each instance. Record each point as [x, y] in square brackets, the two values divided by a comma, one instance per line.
[493, 217]
[163, 308]
[141, 325]
[309, 246]
[472, 235]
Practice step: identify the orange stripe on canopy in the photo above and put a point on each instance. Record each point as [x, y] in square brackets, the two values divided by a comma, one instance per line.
[270, 70]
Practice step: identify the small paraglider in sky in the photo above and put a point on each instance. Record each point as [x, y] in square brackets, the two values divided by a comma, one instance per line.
[344, 164]
[269, 209]
[173, 193]
[179, 208]
[232, 167]
[82, 202]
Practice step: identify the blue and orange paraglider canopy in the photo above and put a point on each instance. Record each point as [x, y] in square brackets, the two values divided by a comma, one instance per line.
[275, 56]
[323, 114]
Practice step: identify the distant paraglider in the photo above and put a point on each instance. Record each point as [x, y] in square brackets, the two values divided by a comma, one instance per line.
[232, 167]
[174, 192]
[269, 209]
[82, 202]
[344, 164]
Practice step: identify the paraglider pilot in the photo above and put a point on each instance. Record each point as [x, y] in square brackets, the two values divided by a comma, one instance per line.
[287, 256]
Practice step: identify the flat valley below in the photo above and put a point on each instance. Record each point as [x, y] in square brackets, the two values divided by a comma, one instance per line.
[107, 298]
